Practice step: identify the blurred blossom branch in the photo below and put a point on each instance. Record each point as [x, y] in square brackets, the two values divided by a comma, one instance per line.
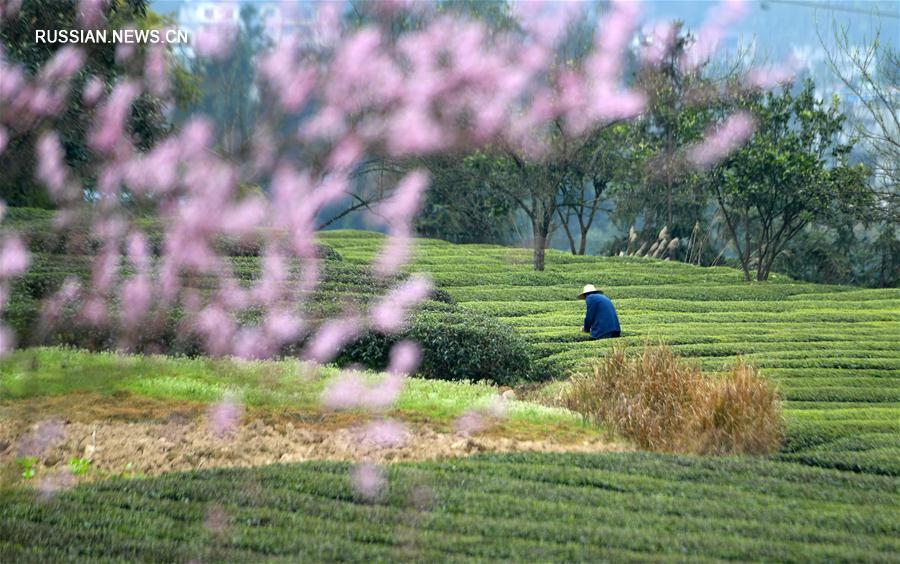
[451, 84]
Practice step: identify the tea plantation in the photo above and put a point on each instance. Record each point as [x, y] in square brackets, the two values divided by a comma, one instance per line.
[831, 494]
[834, 351]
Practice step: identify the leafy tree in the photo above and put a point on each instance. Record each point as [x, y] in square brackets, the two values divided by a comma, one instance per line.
[664, 191]
[608, 163]
[18, 187]
[794, 171]
[461, 205]
[227, 84]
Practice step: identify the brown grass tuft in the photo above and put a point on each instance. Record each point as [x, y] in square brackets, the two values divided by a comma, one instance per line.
[663, 404]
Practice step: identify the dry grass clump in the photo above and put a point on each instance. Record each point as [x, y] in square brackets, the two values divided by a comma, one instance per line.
[664, 404]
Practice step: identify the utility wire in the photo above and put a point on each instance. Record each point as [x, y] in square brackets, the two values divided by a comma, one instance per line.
[833, 7]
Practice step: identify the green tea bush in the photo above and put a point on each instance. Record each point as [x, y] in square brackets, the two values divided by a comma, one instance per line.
[456, 345]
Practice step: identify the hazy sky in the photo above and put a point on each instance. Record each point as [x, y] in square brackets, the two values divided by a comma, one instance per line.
[780, 27]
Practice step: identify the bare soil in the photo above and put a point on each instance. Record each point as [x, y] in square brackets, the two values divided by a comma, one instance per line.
[142, 436]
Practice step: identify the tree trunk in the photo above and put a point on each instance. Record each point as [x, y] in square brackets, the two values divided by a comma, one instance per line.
[582, 245]
[540, 245]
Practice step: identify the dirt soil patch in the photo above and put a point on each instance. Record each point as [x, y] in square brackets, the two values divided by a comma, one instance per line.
[142, 436]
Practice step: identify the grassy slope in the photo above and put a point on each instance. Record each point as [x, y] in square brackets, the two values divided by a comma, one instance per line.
[52, 371]
[833, 350]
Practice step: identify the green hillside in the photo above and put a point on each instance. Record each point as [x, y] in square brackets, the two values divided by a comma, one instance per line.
[833, 350]
[831, 494]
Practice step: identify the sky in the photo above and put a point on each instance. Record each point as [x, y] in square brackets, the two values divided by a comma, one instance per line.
[780, 28]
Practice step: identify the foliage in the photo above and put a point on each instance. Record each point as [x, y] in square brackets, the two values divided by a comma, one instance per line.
[458, 345]
[663, 404]
[79, 466]
[461, 205]
[18, 185]
[513, 507]
[793, 172]
[29, 465]
[831, 350]
[227, 85]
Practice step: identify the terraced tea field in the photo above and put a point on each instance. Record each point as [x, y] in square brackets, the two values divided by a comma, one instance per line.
[522, 508]
[832, 494]
[833, 350]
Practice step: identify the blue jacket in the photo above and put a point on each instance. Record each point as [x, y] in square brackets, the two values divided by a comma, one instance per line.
[601, 318]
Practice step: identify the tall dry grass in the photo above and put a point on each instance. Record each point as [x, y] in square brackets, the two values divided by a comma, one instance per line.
[664, 404]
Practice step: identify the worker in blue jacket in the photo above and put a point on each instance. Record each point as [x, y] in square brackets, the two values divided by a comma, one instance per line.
[601, 320]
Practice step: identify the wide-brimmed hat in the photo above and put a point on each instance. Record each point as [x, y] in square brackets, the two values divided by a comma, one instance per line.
[588, 289]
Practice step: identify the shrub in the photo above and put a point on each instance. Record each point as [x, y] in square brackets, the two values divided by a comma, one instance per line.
[664, 404]
[456, 345]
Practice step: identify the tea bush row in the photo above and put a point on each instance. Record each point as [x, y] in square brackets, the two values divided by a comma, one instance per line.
[506, 507]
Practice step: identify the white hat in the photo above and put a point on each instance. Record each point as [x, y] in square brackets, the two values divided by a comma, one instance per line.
[588, 289]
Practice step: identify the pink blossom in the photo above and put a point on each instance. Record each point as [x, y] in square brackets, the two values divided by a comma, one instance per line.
[713, 31]
[93, 311]
[124, 52]
[659, 43]
[291, 78]
[547, 21]
[776, 75]
[51, 169]
[282, 326]
[9, 8]
[384, 394]
[215, 41]
[55, 482]
[14, 258]
[470, 423]
[721, 141]
[218, 327]
[403, 204]
[156, 72]
[224, 417]
[137, 294]
[90, 12]
[328, 23]
[7, 339]
[344, 392]
[346, 154]
[43, 436]
[389, 315]
[350, 391]
[369, 481]
[393, 255]
[110, 125]
[331, 338]
[404, 358]
[414, 132]
[385, 433]
[64, 64]
[93, 90]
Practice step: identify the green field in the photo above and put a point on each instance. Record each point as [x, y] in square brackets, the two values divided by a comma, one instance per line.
[527, 508]
[832, 493]
[834, 351]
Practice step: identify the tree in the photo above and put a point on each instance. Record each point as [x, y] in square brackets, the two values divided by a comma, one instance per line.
[793, 171]
[461, 206]
[871, 73]
[228, 93]
[18, 186]
[611, 159]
